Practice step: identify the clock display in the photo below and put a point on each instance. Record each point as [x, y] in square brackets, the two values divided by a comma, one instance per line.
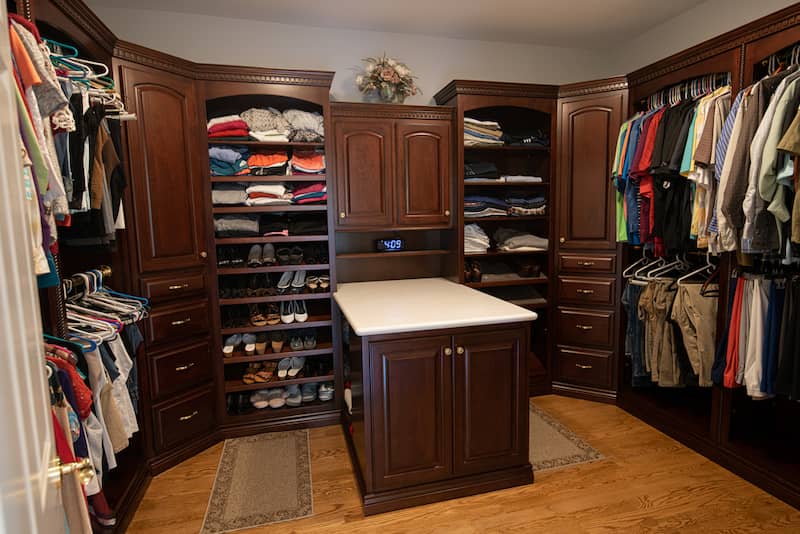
[390, 244]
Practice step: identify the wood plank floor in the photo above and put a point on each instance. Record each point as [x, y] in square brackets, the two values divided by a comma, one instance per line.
[646, 483]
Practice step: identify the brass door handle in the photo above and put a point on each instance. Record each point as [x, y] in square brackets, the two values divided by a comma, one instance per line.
[182, 321]
[586, 263]
[178, 286]
[448, 351]
[185, 367]
[57, 470]
[584, 327]
[585, 291]
[460, 350]
[580, 366]
[187, 417]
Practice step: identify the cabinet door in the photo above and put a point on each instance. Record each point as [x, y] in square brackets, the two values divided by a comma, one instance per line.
[490, 418]
[588, 129]
[166, 175]
[423, 172]
[411, 392]
[363, 172]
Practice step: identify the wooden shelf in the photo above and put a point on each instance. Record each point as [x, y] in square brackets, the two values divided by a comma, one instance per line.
[265, 144]
[497, 183]
[321, 350]
[250, 178]
[539, 280]
[234, 386]
[493, 253]
[224, 271]
[401, 253]
[539, 305]
[269, 209]
[307, 408]
[274, 298]
[505, 218]
[269, 239]
[314, 321]
[509, 148]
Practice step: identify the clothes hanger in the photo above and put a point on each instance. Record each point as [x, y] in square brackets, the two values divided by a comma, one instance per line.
[707, 267]
[629, 271]
[642, 271]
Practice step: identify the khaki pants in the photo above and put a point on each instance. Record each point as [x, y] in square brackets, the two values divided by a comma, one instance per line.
[696, 315]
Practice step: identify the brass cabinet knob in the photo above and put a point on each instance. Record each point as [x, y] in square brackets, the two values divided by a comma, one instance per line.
[448, 351]
[447, 213]
[204, 254]
[341, 215]
[562, 240]
[459, 350]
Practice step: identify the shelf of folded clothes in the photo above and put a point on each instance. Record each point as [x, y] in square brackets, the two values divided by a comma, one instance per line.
[251, 178]
[264, 144]
[490, 135]
[239, 161]
[268, 125]
[276, 197]
[488, 207]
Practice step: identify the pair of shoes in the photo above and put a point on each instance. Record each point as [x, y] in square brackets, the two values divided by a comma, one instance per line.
[294, 310]
[325, 392]
[296, 280]
[293, 396]
[260, 285]
[261, 255]
[309, 392]
[259, 373]
[303, 341]
[231, 345]
[318, 283]
[290, 256]
[472, 271]
[290, 367]
[229, 257]
[276, 397]
[277, 340]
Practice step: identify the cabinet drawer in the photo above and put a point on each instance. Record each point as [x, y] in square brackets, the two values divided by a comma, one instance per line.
[170, 287]
[578, 263]
[189, 417]
[584, 367]
[180, 369]
[585, 328]
[174, 322]
[586, 290]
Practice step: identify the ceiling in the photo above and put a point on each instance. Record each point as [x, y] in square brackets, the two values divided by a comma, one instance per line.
[568, 23]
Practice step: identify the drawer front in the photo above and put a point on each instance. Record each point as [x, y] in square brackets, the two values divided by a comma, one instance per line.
[187, 418]
[585, 263]
[586, 290]
[584, 367]
[180, 369]
[176, 322]
[165, 288]
[585, 328]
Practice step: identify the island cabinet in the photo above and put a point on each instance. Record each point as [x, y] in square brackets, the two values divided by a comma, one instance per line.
[438, 414]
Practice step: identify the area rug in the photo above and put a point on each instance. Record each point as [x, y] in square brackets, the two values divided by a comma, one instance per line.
[552, 445]
[261, 479]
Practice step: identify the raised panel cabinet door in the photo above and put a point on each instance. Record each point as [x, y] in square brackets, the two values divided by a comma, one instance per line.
[423, 172]
[490, 419]
[411, 389]
[167, 181]
[364, 151]
[586, 210]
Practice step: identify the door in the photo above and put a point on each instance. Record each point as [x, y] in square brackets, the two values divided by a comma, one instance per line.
[423, 174]
[30, 502]
[166, 175]
[490, 419]
[588, 128]
[363, 172]
[411, 411]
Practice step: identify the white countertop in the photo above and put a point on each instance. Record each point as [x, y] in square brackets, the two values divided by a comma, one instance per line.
[395, 306]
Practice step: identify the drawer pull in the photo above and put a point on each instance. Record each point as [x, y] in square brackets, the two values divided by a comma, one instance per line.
[178, 286]
[185, 367]
[182, 321]
[187, 417]
[586, 263]
[584, 327]
[459, 350]
[585, 291]
[448, 351]
[581, 366]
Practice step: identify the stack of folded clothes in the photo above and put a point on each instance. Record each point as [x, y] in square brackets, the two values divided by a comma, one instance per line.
[526, 137]
[228, 194]
[521, 178]
[475, 239]
[228, 160]
[229, 126]
[304, 126]
[480, 170]
[239, 225]
[268, 163]
[508, 239]
[268, 125]
[476, 206]
[526, 206]
[310, 194]
[268, 195]
[478, 133]
[308, 162]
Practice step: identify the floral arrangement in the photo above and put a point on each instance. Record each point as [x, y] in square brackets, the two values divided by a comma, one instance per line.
[391, 79]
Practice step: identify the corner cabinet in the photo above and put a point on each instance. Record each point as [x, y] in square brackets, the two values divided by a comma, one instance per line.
[394, 166]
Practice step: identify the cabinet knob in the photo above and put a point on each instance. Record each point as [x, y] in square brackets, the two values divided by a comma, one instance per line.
[448, 351]
[342, 215]
[204, 254]
[562, 240]
[459, 350]
[447, 213]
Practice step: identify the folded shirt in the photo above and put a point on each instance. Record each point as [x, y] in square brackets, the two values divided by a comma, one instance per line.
[480, 135]
[269, 137]
[304, 136]
[517, 212]
[225, 126]
[486, 212]
[228, 154]
[309, 161]
[263, 120]
[222, 120]
[224, 168]
[234, 133]
[535, 202]
[470, 140]
[480, 129]
[305, 120]
[480, 169]
[311, 198]
[236, 225]
[480, 201]
[484, 124]
[518, 178]
[267, 159]
[230, 194]
[274, 170]
[317, 187]
[511, 239]
[267, 201]
[277, 190]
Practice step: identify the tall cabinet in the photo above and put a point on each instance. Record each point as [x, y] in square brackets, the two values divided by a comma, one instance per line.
[585, 345]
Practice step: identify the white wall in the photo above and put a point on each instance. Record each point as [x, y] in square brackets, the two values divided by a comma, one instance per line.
[434, 60]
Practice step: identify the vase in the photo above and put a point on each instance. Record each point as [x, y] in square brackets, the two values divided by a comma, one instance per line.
[388, 95]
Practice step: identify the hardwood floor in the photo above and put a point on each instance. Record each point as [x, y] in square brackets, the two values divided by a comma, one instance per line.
[646, 483]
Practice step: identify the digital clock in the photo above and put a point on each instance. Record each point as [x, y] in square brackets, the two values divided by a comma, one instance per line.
[393, 244]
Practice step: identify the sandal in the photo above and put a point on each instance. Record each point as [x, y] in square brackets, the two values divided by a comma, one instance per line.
[273, 314]
[324, 282]
[313, 283]
[256, 317]
[268, 370]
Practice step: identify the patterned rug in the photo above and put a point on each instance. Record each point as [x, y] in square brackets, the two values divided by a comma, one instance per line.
[552, 445]
[260, 479]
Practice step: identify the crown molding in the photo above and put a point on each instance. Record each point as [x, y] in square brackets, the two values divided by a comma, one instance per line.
[227, 73]
[84, 18]
[592, 87]
[390, 111]
[505, 89]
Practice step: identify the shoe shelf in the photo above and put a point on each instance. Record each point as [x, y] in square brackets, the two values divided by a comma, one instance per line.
[222, 271]
[274, 298]
[538, 280]
[255, 179]
[307, 408]
[269, 209]
[322, 349]
[314, 321]
[236, 386]
[269, 239]
[265, 144]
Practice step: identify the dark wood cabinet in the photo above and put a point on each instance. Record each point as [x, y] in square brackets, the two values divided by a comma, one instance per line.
[490, 420]
[411, 392]
[393, 167]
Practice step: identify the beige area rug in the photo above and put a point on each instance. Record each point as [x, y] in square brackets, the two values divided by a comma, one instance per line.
[552, 445]
[260, 479]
